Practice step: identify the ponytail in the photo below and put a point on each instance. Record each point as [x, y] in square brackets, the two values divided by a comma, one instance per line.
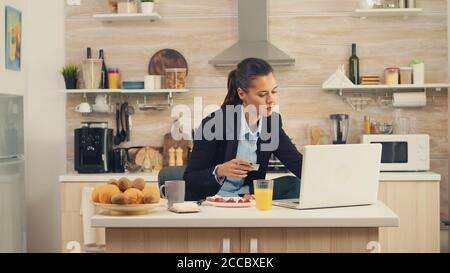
[232, 97]
[241, 77]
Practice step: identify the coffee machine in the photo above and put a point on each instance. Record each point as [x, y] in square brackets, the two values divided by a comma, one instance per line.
[93, 147]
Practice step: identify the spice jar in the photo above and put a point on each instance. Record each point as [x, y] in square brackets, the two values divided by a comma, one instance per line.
[391, 75]
[175, 78]
[406, 75]
[127, 6]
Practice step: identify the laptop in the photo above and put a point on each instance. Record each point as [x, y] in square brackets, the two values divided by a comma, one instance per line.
[337, 176]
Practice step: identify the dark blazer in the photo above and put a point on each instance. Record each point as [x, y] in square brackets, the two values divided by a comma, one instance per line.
[207, 154]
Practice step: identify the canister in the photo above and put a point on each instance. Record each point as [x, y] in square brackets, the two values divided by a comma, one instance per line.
[418, 67]
[127, 6]
[114, 78]
[406, 75]
[391, 75]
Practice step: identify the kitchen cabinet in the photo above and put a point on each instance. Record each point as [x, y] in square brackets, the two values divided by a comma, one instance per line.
[298, 240]
[240, 240]
[71, 217]
[417, 205]
[174, 240]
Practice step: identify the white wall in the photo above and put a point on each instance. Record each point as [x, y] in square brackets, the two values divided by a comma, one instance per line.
[446, 245]
[13, 82]
[45, 124]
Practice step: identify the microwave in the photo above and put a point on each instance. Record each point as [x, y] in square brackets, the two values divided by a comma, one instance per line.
[402, 152]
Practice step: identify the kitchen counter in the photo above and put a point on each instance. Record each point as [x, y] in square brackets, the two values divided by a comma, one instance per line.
[244, 230]
[377, 215]
[153, 177]
[413, 196]
[104, 177]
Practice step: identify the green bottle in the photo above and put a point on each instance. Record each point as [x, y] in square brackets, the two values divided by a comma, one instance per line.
[353, 68]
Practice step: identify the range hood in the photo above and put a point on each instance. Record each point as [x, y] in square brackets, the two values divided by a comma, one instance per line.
[253, 38]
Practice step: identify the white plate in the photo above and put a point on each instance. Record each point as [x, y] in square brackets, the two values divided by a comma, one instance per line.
[231, 205]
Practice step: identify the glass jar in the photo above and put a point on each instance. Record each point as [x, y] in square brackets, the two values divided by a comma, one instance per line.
[391, 4]
[391, 75]
[406, 75]
[127, 6]
[175, 78]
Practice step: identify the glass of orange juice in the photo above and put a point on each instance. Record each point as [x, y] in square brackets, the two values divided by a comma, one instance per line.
[263, 194]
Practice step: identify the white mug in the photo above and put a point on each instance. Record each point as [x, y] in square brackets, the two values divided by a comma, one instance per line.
[83, 107]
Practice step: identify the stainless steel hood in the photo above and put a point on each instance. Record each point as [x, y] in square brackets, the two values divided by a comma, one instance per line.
[253, 38]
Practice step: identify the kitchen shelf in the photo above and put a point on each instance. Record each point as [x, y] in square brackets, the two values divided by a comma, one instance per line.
[399, 87]
[124, 91]
[360, 102]
[405, 12]
[152, 17]
[143, 92]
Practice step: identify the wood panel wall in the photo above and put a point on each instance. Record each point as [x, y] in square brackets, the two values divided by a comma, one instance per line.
[317, 33]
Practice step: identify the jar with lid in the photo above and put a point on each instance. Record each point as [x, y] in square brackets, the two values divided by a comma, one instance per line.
[127, 6]
[406, 75]
[391, 75]
[175, 78]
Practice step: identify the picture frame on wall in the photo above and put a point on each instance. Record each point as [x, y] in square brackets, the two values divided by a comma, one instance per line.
[13, 38]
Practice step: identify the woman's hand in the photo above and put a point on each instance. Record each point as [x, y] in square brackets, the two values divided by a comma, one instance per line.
[235, 168]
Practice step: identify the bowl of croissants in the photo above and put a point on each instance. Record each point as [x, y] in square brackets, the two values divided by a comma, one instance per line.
[125, 196]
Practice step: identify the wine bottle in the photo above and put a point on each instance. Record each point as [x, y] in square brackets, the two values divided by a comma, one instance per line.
[104, 81]
[89, 53]
[353, 71]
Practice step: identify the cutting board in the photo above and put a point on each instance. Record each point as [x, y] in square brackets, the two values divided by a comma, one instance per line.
[166, 58]
[155, 156]
[169, 142]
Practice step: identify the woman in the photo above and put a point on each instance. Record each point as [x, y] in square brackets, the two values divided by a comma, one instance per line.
[242, 133]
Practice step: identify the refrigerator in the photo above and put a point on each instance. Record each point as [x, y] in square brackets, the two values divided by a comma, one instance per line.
[12, 175]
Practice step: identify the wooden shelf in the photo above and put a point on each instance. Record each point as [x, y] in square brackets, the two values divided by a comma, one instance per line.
[124, 91]
[405, 12]
[127, 17]
[388, 87]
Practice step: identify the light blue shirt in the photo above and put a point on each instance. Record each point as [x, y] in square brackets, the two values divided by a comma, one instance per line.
[247, 146]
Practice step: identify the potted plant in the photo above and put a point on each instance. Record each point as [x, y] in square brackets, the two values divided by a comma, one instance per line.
[147, 6]
[70, 74]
